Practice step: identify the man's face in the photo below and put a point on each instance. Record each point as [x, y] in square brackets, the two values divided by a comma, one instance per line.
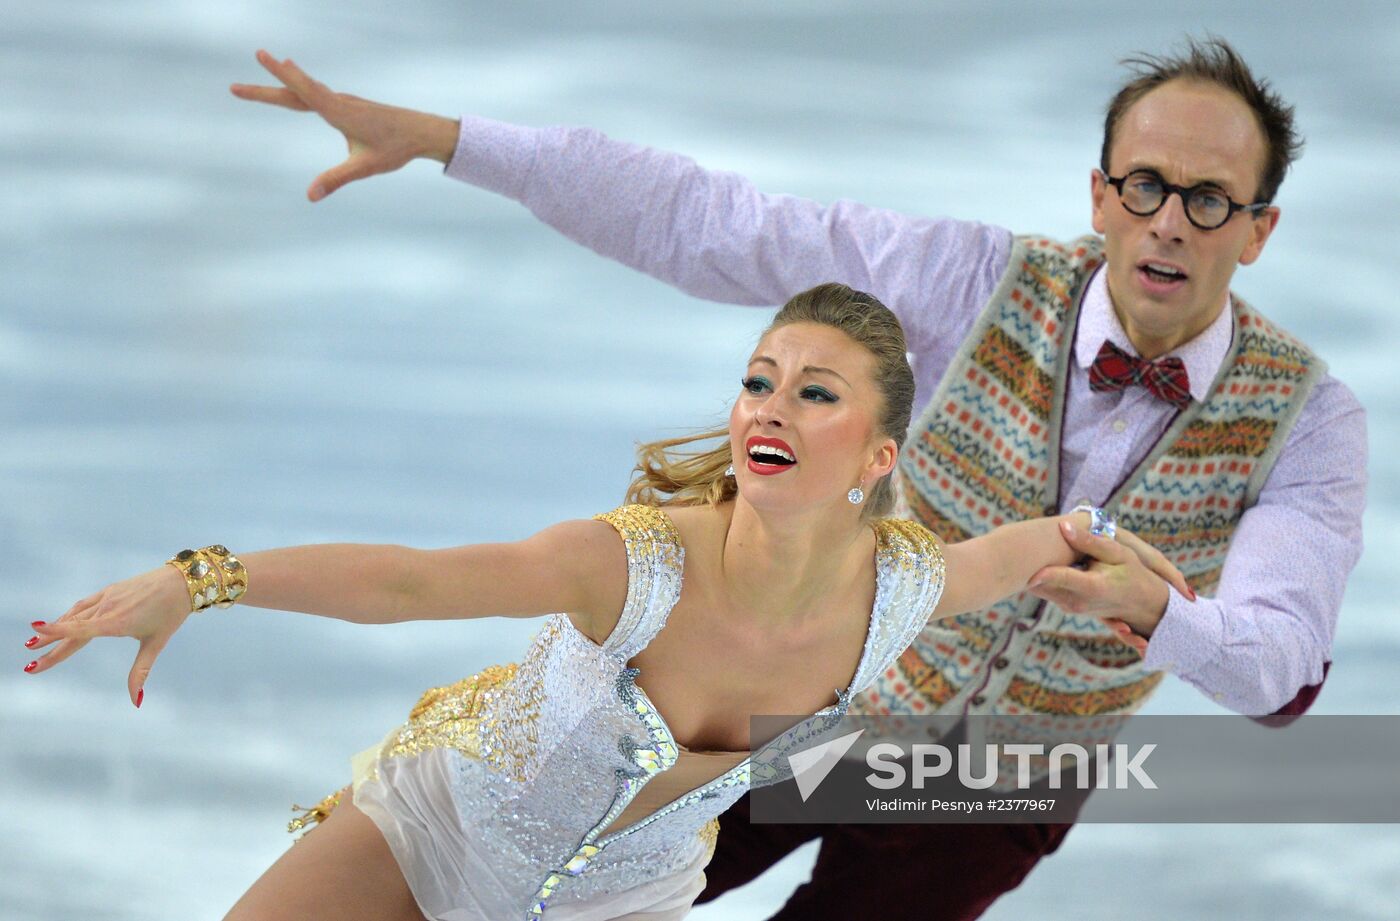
[1189, 133]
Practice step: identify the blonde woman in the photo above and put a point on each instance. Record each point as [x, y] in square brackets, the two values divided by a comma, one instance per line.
[758, 577]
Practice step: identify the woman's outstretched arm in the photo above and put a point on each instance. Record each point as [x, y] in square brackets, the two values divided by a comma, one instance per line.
[983, 570]
[577, 566]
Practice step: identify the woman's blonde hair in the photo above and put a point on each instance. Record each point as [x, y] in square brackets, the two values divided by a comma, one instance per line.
[665, 475]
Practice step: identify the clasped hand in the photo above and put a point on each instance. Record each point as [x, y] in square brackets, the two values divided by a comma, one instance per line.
[1126, 582]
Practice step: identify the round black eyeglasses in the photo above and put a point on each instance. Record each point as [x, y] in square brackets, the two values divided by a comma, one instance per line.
[1143, 192]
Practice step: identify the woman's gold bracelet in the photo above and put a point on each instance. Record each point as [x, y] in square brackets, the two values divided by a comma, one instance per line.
[213, 576]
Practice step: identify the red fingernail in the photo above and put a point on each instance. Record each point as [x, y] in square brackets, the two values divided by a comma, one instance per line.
[36, 624]
[31, 641]
[140, 696]
[31, 666]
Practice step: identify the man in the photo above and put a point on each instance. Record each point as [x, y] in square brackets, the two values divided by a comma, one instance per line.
[1116, 370]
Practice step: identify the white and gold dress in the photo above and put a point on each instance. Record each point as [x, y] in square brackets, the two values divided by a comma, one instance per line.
[502, 794]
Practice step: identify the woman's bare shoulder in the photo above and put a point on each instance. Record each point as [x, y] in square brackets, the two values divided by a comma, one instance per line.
[701, 527]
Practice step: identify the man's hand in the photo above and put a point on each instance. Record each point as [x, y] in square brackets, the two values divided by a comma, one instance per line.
[380, 138]
[1127, 583]
[1126, 634]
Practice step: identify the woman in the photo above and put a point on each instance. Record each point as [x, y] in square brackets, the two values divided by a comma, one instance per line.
[583, 784]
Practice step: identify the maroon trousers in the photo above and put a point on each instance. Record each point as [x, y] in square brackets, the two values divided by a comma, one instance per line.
[935, 872]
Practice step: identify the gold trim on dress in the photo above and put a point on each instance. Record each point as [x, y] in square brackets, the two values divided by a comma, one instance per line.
[315, 815]
[450, 716]
[709, 835]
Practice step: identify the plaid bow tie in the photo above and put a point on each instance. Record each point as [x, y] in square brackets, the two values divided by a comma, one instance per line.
[1114, 369]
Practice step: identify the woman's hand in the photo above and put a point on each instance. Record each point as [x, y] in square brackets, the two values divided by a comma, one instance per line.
[149, 607]
[380, 138]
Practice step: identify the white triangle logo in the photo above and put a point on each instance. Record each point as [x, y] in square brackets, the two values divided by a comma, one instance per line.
[809, 768]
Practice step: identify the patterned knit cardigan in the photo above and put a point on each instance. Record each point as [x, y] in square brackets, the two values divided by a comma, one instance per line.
[986, 452]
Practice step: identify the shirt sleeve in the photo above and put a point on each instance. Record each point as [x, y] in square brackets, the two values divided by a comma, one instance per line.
[713, 235]
[1267, 633]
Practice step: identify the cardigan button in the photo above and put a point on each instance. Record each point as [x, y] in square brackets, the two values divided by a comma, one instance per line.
[1051, 511]
[979, 700]
[1002, 662]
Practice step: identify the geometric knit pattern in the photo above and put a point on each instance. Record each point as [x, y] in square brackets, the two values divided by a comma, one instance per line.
[985, 452]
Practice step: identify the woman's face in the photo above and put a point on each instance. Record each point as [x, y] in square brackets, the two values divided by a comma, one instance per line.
[804, 429]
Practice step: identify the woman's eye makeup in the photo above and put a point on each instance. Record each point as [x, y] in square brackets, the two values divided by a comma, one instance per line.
[758, 384]
[755, 384]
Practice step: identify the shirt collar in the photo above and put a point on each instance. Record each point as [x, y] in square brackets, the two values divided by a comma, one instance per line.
[1098, 323]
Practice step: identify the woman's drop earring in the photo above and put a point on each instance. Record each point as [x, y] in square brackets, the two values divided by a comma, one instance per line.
[730, 471]
[857, 496]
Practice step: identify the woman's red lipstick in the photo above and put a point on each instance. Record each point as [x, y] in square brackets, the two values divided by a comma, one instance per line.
[769, 462]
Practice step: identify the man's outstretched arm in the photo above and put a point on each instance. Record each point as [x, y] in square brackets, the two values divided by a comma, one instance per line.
[713, 234]
[709, 233]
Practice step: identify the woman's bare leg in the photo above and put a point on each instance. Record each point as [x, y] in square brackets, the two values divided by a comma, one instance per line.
[342, 870]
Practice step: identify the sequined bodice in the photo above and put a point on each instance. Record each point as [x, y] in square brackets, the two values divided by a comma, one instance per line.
[691, 771]
[559, 747]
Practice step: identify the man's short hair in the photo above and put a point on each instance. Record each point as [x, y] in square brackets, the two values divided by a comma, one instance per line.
[1214, 61]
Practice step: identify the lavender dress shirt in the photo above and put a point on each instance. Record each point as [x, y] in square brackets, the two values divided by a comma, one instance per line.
[1268, 631]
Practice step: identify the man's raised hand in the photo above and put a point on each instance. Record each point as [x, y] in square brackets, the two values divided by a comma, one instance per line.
[378, 138]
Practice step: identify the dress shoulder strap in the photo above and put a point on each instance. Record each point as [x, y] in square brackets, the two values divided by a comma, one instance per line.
[655, 560]
[909, 573]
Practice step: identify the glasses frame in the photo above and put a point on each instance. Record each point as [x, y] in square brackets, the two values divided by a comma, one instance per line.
[1185, 193]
